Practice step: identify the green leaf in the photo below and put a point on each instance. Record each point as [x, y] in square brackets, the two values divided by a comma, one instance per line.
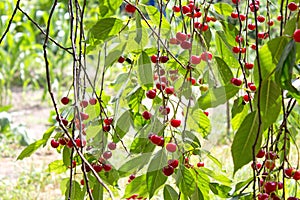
[108, 8]
[57, 166]
[92, 131]
[217, 176]
[244, 139]
[270, 102]
[114, 54]
[66, 156]
[241, 185]
[110, 177]
[220, 190]
[170, 193]
[284, 69]
[223, 9]
[155, 16]
[134, 164]
[106, 27]
[145, 70]
[136, 186]
[239, 112]
[155, 177]
[224, 70]
[122, 126]
[29, 150]
[199, 123]
[191, 138]
[202, 181]
[98, 191]
[185, 181]
[217, 96]
[76, 192]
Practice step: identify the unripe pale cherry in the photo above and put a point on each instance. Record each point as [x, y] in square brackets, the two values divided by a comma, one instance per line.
[171, 147]
[107, 155]
[181, 36]
[112, 146]
[186, 45]
[206, 56]
[195, 59]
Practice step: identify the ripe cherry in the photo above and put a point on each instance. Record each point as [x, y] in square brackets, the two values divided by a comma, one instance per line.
[146, 115]
[169, 90]
[256, 165]
[173, 162]
[279, 18]
[78, 142]
[106, 128]
[261, 153]
[271, 23]
[132, 176]
[251, 27]
[163, 59]
[54, 143]
[70, 144]
[130, 8]
[65, 100]
[63, 141]
[200, 164]
[164, 110]
[192, 80]
[239, 39]
[242, 17]
[174, 41]
[270, 187]
[151, 94]
[97, 168]
[107, 155]
[121, 59]
[271, 155]
[261, 18]
[289, 172]
[107, 167]
[246, 98]
[84, 116]
[297, 175]
[249, 65]
[176, 8]
[112, 146]
[186, 9]
[175, 122]
[296, 35]
[206, 113]
[252, 87]
[168, 170]
[235, 49]
[171, 147]
[93, 101]
[84, 103]
[292, 6]
[236, 81]
[153, 58]
[108, 121]
[234, 15]
[82, 182]
[292, 198]
[263, 196]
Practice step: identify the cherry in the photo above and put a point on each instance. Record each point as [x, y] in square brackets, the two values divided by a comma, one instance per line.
[130, 8]
[63, 141]
[261, 18]
[78, 142]
[289, 172]
[296, 35]
[97, 168]
[186, 45]
[84, 116]
[297, 175]
[251, 27]
[234, 15]
[249, 65]
[146, 115]
[192, 80]
[270, 187]
[271, 155]
[173, 162]
[157, 140]
[206, 56]
[203, 87]
[163, 59]
[252, 87]
[65, 100]
[280, 185]
[176, 8]
[106, 128]
[70, 144]
[121, 59]
[263, 196]
[235, 1]
[274, 197]
[82, 182]
[160, 86]
[292, 198]
[151, 94]
[112, 146]
[261, 153]
[171, 147]
[175, 122]
[195, 59]
[174, 41]
[108, 121]
[242, 17]
[181, 36]
[256, 165]
[93, 101]
[271, 23]
[87, 168]
[168, 170]
[200, 164]
[169, 90]
[164, 110]
[186, 9]
[107, 167]
[203, 27]
[107, 155]
[73, 163]
[236, 81]
[270, 164]
[84, 103]
[132, 176]
[153, 58]
[239, 39]
[206, 113]
[54, 143]
[279, 18]
[253, 46]
[235, 49]
[292, 6]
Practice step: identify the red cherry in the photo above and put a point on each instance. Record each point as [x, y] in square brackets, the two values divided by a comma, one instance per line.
[263, 196]
[107, 155]
[155, 139]
[175, 122]
[292, 198]
[121, 59]
[270, 187]
[270, 164]
[164, 110]
[271, 155]
[200, 164]
[82, 182]
[84, 116]
[235, 1]
[206, 56]
[192, 80]
[292, 6]
[97, 168]
[84, 103]
[78, 142]
[132, 176]
[261, 18]
[63, 141]
[171, 147]
[249, 65]
[279, 18]
[242, 17]
[246, 97]
[130, 8]
[153, 58]
[106, 128]
[146, 115]
[168, 170]
[160, 86]
[176, 8]
[289, 172]
[261, 35]
[186, 9]
[65, 100]
[151, 94]
[280, 185]
[239, 39]
[54, 143]
[234, 15]
[181, 36]
[256, 165]
[112, 146]
[252, 87]
[108, 121]
[107, 167]
[296, 35]
[235, 49]
[297, 175]
[163, 59]
[261, 153]
[174, 41]
[169, 90]
[186, 45]
[236, 81]
[195, 59]
[253, 46]
[251, 27]
[206, 113]
[203, 27]
[271, 23]
[73, 163]
[70, 144]
[93, 101]
[173, 162]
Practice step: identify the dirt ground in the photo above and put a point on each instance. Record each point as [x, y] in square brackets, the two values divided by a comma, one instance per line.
[30, 111]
